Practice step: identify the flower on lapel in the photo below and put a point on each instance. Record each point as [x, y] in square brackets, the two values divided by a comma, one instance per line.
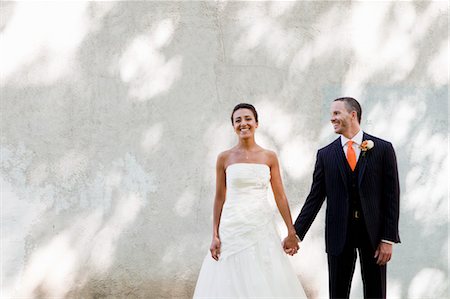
[365, 146]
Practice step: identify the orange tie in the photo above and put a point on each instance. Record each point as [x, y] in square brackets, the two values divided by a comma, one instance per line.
[351, 156]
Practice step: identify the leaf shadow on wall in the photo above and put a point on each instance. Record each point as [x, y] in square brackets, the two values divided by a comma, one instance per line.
[104, 136]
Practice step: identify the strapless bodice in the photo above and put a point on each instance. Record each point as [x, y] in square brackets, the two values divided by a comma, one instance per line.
[244, 179]
[246, 210]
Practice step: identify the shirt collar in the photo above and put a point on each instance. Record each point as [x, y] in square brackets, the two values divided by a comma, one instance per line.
[357, 139]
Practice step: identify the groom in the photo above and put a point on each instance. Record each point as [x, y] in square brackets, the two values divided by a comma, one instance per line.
[357, 174]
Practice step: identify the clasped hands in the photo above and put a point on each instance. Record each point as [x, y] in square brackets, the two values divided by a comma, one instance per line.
[290, 244]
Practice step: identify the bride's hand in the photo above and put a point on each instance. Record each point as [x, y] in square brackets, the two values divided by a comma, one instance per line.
[215, 248]
[290, 245]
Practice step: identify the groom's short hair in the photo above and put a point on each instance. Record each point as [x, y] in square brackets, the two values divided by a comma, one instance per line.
[352, 105]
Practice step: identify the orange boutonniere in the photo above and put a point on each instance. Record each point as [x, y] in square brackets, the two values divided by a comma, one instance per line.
[365, 146]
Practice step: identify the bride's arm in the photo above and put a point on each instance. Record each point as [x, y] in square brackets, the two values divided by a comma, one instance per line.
[282, 203]
[218, 205]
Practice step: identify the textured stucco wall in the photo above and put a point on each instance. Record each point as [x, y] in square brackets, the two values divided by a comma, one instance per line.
[112, 114]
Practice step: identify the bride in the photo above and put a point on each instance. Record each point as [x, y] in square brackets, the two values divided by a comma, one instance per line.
[247, 258]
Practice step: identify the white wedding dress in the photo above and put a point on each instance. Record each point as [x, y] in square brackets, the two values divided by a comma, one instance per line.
[252, 262]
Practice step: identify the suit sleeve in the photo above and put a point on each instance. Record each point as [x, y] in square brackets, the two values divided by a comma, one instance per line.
[391, 196]
[314, 200]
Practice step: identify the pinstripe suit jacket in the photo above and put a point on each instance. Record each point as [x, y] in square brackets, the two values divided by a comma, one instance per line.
[379, 193]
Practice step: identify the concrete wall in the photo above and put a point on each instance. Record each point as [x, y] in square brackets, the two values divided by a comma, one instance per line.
[112, 115]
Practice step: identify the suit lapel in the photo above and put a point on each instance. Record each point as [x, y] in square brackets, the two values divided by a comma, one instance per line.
[363, 157]
[341, 160]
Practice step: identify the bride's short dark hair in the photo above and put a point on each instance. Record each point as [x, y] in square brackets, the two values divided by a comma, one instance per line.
[245, 106]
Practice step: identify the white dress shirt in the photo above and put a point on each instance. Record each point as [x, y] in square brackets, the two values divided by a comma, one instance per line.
[357, 140]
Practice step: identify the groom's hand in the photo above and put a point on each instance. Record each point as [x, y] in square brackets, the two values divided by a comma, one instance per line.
[383, 253]
[290, 245]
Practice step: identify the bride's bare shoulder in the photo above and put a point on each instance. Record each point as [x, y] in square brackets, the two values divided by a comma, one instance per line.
[269, 153]
[223, 157]
[271, 157]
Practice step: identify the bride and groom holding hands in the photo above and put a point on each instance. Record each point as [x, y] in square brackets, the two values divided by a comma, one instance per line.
[356, 174]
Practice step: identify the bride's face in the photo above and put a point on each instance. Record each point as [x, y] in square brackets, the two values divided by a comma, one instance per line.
[244, 123]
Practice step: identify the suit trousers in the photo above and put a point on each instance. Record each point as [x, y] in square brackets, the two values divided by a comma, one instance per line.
[342, 266]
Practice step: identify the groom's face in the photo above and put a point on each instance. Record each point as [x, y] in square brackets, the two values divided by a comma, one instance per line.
[341, 119]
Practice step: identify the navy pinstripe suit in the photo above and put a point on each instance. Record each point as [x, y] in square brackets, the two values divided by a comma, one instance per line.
[378, 189]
